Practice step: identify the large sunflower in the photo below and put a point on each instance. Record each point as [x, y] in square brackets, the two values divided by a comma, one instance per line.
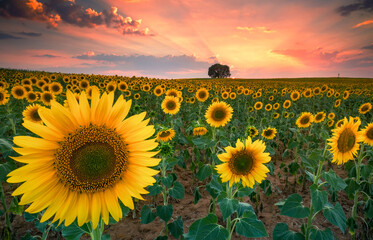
[87, 158]
[244, 163]
[31, 113]
[304, 120]
[170, 105]
[368, 134]
[19, 92]
[345, 141]
[218, 114]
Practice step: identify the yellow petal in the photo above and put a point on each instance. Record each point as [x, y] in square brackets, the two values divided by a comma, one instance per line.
[83, 208]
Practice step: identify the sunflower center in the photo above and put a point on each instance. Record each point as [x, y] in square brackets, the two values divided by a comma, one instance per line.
[304, 120]
[91, 159]
[171, 105]
[346, 140]
[19, 92]
[110, 88]
[369, 133]
[35, 115]
[318, 117]
[165, 134]
[48, 97]
[219, 114]
[32, 96]
[241, 163]
[55, 88]
[268, 132]
[364, 108]
[202, 94]
[2, 96]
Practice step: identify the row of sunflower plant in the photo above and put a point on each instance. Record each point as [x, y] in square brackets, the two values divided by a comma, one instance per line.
[78, 152]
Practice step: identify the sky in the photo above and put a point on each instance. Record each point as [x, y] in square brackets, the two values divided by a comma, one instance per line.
[183, 38]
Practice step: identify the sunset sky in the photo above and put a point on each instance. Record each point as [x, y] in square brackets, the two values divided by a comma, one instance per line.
[181, 39]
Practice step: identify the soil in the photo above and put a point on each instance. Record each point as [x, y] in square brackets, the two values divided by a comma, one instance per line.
[131, 228]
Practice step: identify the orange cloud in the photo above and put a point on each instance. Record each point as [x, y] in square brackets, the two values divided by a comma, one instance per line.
[258, 29]
[363, 23]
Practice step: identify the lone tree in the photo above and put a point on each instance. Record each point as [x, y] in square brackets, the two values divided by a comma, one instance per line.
[219, 71]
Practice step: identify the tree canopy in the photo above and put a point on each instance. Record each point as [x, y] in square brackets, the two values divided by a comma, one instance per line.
[219, 71]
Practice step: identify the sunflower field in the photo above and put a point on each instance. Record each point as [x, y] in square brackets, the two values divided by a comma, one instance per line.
[112, 157]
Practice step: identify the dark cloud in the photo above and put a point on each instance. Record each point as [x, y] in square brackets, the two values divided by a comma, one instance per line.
[8, 36]
[46, 56]
[53, 12]
[365, 5]
[30, 34]
[370, 47]
[148, 62]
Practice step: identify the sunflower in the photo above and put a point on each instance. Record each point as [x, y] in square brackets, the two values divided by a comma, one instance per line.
[136, 96]
[170, 105]
[202, 94]
[47, 98]
[166, 135]
[145, 87]
[337, 103]
[269, 133]
[275, 115]
[295, 95]
[366, 107]
[158, 91]
[225, 95]
[330, 122]
[345, 141]
[31, 113]
[307, 93]
[18, 92]
[368, 134]
[339, 123]
[40, 83]
[258, 105]
[232, 95]
[26, 81]
[252, 131]
[84, 84]
[319, 117]
[87, 158]
[55, 88]
[218, 114]
[286, 104]
[111, 86]
[31, 96]
[276, 106]
[285, 114]
[304, 120]
[126, 93]
[244, 163]
[199, 131]
[331, 115]
[250, 109]
[268, 107]
[173, 92]
[316, 90]
[346, 94]
[122, 86]
[4, 97]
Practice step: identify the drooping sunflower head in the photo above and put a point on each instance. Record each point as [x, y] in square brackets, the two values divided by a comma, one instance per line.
[345, 141]
[199, 131]
[319, 117]
[218, 114]
[202, 94]
[87, 158]
[304, 120]
[166, 135]
[365, 108]
[31, 113]
[251, 131]
[367, 133]
[269, 133]
[244, 163]
[170, 105]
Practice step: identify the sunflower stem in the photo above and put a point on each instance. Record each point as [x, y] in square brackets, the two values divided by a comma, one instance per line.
[356, 194]
[229, 220]
[96, 233]
[7, 218]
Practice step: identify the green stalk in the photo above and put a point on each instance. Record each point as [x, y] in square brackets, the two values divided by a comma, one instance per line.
[229, 220]
[7, 218]
[46, 232]
[96, 234]
[315, 181]
[356, 194]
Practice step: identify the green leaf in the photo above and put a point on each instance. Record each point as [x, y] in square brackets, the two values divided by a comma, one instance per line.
[204, 172]
[270, 150]
[177, 191]
[206, 229]
[214, 187]
[282, 232]
[228, 206]
[105, 237]
[167, 181]
[244, 192]
[154, 190]
[250, 226]
[317, 234]
[15, 208]
[243, 207]
[336, 216]
[5, 145]
[293, 207]
[334, 180]
[201, 142]
[6, 168]
[72, 232]
[368, 208]
[318, 198]
[352, 187]
[165, 212]
[176, 227]
[292, 144]
[293, 168]
[147, 216]
[30, 217]
[197, 195]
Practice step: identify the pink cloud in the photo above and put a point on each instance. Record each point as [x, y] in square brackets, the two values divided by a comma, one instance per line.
[367, 22]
